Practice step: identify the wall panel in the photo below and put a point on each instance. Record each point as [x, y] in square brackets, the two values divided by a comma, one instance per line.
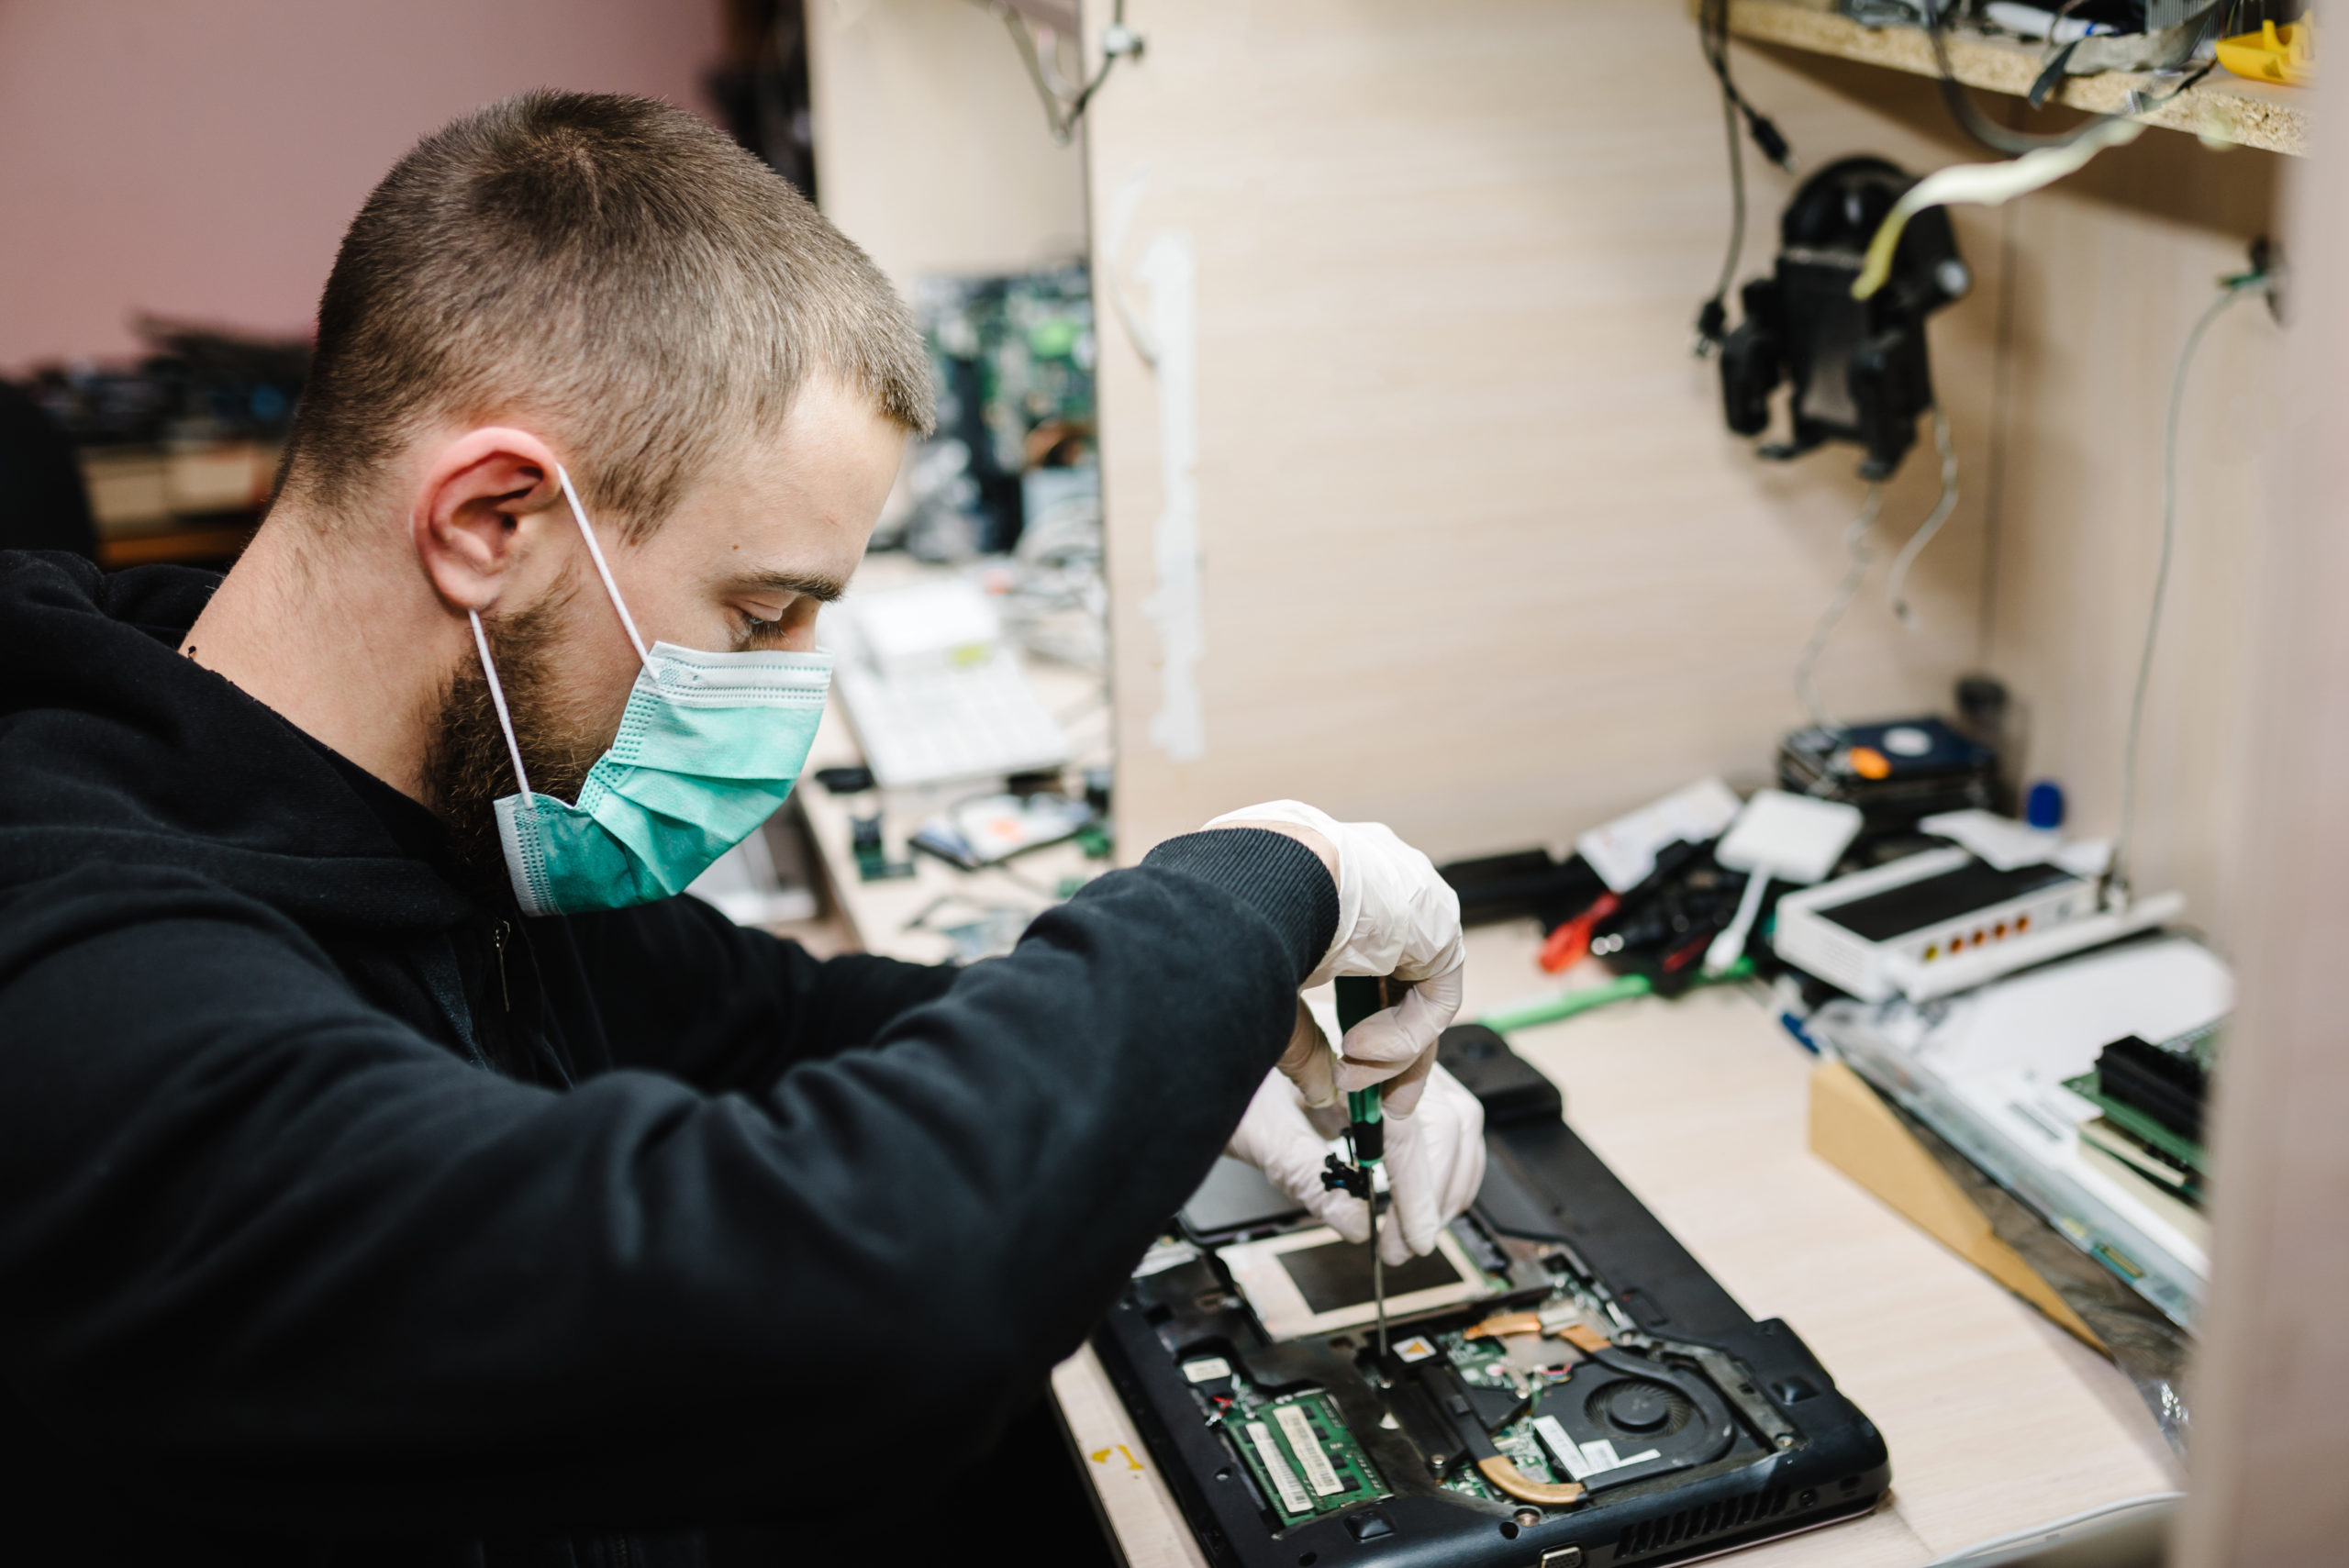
[1476, 555]
[932, 150]
[201, 161]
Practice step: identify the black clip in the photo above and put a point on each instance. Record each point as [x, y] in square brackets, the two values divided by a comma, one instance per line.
[1340, 1177]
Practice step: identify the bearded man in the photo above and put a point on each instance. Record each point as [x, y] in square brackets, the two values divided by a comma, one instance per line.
[393, 1168]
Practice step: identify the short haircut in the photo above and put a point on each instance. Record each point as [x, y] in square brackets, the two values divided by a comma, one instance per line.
[613, 272]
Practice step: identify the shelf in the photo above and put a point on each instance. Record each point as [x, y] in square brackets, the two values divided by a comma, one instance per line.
[187, 545]
[2218, 109]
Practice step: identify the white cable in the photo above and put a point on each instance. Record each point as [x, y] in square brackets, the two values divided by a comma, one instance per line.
[596, 550]
[1855, 545]
[2117, 875]
[1124, 204]
[497, 696]
[1932, 525]
[1988, 185]
[1048, 64]
[1061, 111]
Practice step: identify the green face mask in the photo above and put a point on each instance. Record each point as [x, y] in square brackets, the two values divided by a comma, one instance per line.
[709, 746]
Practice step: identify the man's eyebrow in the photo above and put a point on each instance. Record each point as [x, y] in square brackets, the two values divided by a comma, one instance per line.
[823, 590]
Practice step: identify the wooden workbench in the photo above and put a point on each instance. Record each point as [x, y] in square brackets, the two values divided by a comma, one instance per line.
[1996, 1418]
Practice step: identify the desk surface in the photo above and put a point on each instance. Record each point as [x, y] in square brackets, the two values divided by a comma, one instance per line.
[1996, 1418]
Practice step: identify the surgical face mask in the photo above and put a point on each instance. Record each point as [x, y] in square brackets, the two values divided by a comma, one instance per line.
[709, 746]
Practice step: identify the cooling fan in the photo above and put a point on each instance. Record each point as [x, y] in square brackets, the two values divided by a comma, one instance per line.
[1623, 1418]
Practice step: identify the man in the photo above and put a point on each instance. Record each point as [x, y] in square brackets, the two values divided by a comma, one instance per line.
[390, 1168]
[43, 503]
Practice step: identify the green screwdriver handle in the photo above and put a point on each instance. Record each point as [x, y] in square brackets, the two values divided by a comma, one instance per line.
[1359, 995]
[1367, 1125]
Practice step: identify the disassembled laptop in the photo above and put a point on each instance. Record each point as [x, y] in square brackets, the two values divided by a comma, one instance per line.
[1563, 1383]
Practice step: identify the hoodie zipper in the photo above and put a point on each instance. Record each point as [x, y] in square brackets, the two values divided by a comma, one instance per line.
[497, 941]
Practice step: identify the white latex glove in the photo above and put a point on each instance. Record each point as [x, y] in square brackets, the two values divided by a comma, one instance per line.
[1396, 917]
[1277, 1138]
[1435, 1153]
[1435, 1163]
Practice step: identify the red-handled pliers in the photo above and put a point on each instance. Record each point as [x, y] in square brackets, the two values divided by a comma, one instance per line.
[1570, 944]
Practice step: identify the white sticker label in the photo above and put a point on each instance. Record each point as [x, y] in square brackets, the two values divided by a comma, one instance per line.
[1268, 1451]
[1583, 1460]
[1561, 1447]
[1306, 1443]
[1207, 1369]
[1415, 1350]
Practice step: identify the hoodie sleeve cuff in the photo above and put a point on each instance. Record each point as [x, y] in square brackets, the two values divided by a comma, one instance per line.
[1271, 872]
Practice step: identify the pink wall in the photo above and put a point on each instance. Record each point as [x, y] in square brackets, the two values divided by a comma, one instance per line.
[200, 159]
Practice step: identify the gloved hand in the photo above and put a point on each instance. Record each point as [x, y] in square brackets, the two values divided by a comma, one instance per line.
[1435, 1163]
[1435, 1153]
[1396, 917]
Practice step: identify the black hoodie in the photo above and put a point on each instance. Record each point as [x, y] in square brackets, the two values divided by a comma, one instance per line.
[338, 1202]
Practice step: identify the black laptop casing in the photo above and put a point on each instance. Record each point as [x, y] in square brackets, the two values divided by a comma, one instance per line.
[1802, 1455]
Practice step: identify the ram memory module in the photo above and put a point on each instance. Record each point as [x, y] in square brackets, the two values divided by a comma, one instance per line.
[1305, 1460]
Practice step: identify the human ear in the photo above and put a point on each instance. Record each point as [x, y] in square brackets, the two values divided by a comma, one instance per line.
[480, 509]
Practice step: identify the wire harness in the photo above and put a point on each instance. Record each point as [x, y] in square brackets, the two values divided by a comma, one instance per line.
[1712, 36]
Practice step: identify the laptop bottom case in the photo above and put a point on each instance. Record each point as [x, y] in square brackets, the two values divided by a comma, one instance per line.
[1561, 1384]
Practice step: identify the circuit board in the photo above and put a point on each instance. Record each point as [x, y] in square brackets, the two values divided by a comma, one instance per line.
[1305, 1459]
[1486, 1361]
[1306, 1463]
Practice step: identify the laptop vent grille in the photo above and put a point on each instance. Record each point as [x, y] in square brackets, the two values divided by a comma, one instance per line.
[1696, 1524]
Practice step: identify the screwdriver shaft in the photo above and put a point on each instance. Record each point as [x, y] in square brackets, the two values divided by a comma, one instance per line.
[1357, 998]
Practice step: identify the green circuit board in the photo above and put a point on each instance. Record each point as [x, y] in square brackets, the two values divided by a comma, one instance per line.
[1304, 1459]
[1306, 1463]
[1486, 1361]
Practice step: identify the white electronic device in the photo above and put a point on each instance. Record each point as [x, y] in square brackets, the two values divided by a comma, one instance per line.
[1623, 851]
[1790, 837]
[975, 722]
[945, 624]
[936, 694]
[1944, 921]
[1988, 1072]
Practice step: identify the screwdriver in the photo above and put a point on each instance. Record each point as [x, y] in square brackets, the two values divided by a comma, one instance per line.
[1360, 996]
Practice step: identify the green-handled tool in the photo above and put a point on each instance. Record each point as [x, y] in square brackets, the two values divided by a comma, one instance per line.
[1360, 996]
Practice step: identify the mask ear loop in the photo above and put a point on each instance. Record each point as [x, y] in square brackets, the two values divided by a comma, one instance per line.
[597, 553]
[504, 721]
